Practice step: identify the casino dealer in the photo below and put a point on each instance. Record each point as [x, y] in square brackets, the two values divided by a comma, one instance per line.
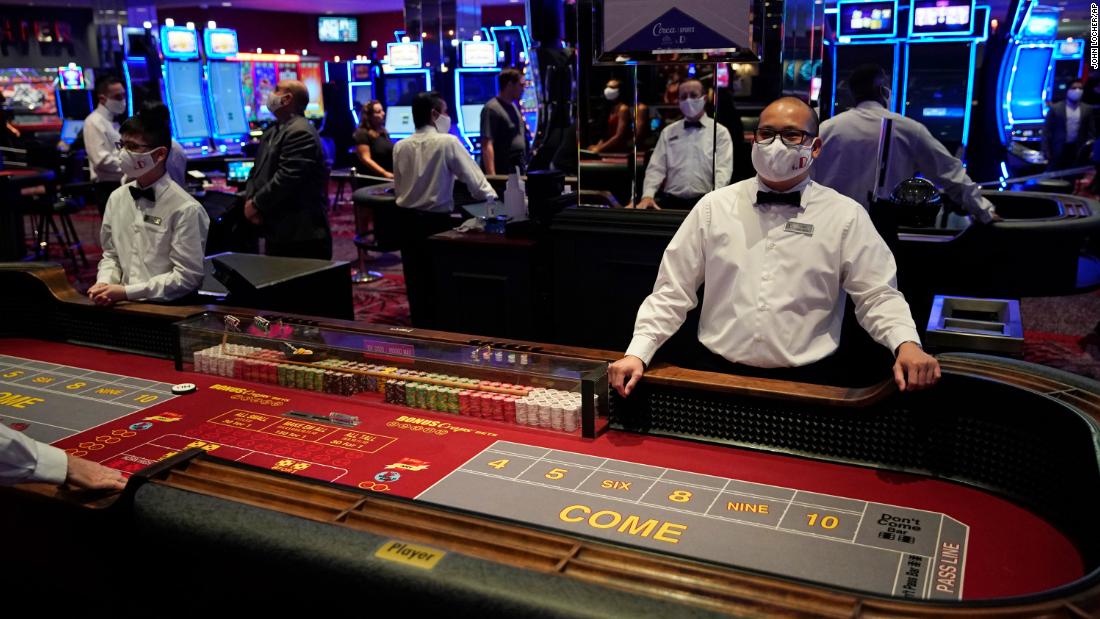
[686, 163]
[778, 253]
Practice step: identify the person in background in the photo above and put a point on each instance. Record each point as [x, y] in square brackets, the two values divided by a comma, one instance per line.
[616, 138]
[504, 140]
[688, 162]
[1069, 125]
[9, 134]
[850, 147]
[153, 233]
[373, 146]
[101, 136]
[426, 164]
[25, 460]
[287, 190]
[778, 254]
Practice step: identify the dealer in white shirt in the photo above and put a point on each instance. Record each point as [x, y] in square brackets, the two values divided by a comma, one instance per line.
[779, 253]
[154, 233]
[850, 148]
[686, 164]
[101, 131]
[426, 164]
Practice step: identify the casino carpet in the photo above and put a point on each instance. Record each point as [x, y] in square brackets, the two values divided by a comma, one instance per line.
[1061, 332]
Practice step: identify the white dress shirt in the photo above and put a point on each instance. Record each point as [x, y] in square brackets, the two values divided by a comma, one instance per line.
[23, 459]
[1073, 123]
[775, 292]
[154, 250]
[425, 166]
[850, 150]
[100, 143]
[682, 160]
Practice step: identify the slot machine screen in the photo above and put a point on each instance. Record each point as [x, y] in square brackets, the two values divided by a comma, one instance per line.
[185, 93]
[1028, 83]
[225, 90]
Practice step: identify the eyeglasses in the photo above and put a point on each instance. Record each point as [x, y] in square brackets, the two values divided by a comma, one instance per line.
[790, 137]
[132, 146]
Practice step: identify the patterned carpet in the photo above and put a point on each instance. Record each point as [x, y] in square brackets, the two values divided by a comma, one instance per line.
[1061, 332]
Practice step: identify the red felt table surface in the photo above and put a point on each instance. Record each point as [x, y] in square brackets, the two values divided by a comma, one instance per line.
[1011, 552]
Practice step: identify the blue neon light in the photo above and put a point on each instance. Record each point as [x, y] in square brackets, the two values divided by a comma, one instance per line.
[126, 77]
[969, 98]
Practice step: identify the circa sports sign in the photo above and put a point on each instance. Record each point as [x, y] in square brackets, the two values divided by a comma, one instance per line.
[681, 26]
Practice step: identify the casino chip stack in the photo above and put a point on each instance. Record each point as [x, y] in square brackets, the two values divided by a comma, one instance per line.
[551, 409]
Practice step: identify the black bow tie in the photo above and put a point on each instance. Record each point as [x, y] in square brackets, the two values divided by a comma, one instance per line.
[693, 124]
[148, 193]
[793, 198]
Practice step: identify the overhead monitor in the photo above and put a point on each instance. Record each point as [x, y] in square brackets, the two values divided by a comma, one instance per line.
[220, 42]
[70, 78]
[941, 18]
[179, 43]
[867, 19]
[479, 54]
[334, 29]
[1071, 48]
[404, 55]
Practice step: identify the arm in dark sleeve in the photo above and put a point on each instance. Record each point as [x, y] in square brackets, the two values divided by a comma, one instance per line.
[297, 159]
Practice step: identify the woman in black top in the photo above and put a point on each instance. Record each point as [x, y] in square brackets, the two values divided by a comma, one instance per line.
[374, 150]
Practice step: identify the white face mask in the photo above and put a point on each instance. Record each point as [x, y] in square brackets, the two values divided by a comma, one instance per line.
[275, 102]
[611, 94]
[1074, 94]
[692, 107]
[115, 106]
[135, 165]
[443, 123]
[778, 162]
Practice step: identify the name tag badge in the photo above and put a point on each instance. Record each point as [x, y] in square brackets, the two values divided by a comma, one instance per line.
[152, 219]
[800, 228]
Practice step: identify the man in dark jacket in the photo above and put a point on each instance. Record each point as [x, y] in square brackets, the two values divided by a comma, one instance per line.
[1069, 126]
[286, 193]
